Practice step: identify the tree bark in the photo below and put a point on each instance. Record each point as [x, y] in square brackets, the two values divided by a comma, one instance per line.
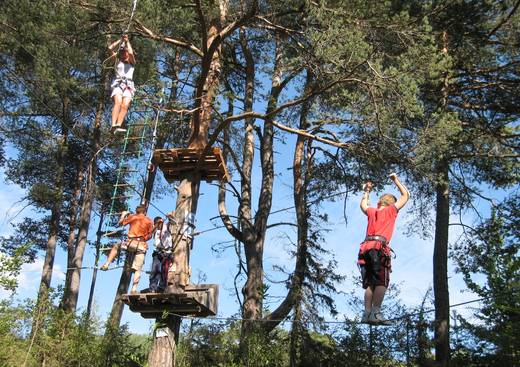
[440, 252]
[71, 301]
[302, 164]
[71, 240]
[440, 267]
[188, 190]
[54, 223]
[165, 341]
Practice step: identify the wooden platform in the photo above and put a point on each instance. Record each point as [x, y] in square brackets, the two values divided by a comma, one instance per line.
[176, 163]
[199, 300]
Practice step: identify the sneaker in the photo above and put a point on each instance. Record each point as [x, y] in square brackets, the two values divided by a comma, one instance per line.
[376, 318]
[119, 130]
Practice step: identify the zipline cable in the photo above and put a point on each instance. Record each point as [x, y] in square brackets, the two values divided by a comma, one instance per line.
[346, 321]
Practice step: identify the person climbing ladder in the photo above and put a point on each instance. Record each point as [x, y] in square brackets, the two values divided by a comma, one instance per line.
[123, 85]
[140, 231]
[374, 252]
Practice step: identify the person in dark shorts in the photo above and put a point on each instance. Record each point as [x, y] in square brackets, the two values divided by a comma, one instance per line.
[374, 252]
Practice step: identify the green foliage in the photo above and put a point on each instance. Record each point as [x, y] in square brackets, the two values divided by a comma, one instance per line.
[62, 340]
[10, 264]
[490, 263]
[218, 345]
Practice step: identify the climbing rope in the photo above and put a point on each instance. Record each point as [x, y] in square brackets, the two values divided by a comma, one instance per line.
[131, 17]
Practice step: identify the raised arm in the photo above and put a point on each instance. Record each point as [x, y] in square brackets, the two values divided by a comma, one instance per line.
[405, 195]
[113, 46]
[366, 192]
[124, 215]
[129, 49]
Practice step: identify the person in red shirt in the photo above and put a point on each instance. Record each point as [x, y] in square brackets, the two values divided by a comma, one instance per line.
[374, 252]
[140, 231]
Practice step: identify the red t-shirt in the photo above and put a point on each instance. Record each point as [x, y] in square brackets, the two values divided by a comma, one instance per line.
[381, 222]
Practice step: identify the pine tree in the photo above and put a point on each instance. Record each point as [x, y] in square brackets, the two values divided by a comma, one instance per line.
[488, 260]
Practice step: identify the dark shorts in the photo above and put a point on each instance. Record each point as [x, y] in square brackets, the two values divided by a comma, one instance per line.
[376, 270]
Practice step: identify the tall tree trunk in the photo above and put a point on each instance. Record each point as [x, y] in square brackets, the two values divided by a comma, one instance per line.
[302, 164]
[440, 267]
[71, 240]
[440, 252]
[54, 223]
[253, 290]
[295, 291]
[163, 349]
[71, 302]
[301, 177]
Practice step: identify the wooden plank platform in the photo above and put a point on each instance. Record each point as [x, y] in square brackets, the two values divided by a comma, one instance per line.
[177, 163]
[199, 300]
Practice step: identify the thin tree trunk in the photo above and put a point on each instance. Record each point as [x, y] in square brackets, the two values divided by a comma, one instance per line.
[300, 181]
[95, 270]
[71, 240]
[71, 302]
[254, 287]
[440, 268]
[54, 224]
[440, 252]
[302, 164]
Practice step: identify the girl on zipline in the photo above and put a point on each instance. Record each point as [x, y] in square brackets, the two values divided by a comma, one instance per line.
[123, 85]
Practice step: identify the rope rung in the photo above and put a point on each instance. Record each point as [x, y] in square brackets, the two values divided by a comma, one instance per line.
[121, 197]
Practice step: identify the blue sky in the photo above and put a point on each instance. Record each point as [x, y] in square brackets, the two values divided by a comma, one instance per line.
[412, 268]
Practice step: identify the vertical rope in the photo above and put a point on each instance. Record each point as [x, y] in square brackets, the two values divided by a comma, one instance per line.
[131, 17]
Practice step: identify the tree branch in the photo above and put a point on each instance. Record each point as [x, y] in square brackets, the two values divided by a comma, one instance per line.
[147, 33]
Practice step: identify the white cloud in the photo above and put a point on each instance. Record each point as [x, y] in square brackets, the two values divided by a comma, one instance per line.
[29, 279]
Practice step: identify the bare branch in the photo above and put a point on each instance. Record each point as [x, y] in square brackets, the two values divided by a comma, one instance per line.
[505, 20]
[146, 32]
[281, 224]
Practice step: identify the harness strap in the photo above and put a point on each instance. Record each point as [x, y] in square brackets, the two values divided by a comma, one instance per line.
[383, 248]
[377, 238]
[138, 238]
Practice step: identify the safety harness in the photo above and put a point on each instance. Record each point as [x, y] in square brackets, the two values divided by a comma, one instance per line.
[381, 246]
[123, 83]
[132, 245]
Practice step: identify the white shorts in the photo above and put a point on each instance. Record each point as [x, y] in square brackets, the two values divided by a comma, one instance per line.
[123, 91]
